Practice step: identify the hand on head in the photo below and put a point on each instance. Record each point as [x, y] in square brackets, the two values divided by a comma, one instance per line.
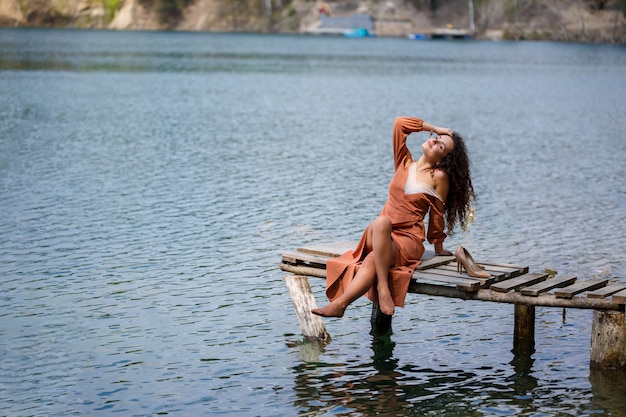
[444, 131]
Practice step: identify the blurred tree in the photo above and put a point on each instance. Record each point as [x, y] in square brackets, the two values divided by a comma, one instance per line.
[169, 11]
[600, 4]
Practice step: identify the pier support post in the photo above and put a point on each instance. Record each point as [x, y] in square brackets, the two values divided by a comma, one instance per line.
[312, 326]
[608, 340]
[381, 322]
[524, 332]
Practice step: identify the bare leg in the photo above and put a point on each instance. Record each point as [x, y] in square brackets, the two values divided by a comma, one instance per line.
[384, 255]
[375, 268]
[362, 282]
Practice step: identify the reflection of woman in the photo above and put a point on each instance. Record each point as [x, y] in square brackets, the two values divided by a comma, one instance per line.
[390, 248]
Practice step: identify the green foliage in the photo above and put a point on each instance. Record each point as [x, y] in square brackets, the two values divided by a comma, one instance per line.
[510, 10]
[110, 7]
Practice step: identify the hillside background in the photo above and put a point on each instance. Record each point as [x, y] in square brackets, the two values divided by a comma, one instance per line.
[597, 21]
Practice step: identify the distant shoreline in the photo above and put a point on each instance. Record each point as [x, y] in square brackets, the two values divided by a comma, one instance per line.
[538, 20]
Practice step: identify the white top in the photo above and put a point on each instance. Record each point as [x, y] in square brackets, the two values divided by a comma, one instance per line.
[413, 186]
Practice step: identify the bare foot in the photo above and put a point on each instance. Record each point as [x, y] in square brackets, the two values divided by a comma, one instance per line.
[386, 303]
[330, 310]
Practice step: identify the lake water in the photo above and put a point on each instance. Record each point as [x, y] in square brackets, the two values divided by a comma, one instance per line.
[150, 181]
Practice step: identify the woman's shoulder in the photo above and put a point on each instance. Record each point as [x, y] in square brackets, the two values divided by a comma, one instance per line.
[440, 174]
[442, 183]
[407, 160]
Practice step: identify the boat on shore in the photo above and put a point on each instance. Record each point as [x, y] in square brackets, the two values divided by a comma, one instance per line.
[358, 25]
[442, 33]
[358, 33]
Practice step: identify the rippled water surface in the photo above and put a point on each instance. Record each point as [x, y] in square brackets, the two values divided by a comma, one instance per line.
[150, 181]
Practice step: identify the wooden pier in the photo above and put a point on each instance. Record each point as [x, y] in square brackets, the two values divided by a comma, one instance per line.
[508, 283]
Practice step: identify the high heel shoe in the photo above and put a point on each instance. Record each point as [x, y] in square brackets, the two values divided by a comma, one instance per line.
[464, 260]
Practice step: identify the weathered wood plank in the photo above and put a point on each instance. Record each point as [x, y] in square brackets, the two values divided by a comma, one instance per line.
[619, 297]
[608, 290]
[514, 297]
[297, 258]
[581, 286]
[516, 283]
[502, 264]
[458, 282]
[451, 272]
[498, 275]
[507, 270]
[331, 250]
[303, 301]
[430, 260]
[495, 275]
[547, 285]
[499, 272]
[303, 270]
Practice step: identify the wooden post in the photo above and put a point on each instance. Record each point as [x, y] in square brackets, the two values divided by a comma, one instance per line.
[381, 322]
[303, 300]
[524, 333]
[608, 340]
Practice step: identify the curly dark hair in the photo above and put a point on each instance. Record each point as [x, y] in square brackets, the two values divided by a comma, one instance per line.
[461, 193]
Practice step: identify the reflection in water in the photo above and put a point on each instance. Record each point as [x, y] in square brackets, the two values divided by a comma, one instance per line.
[310, 350]
[382, 386]
[367, 388]
[607, 388]
[522, 382]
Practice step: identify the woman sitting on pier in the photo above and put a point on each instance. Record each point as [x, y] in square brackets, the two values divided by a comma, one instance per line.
[391, 246]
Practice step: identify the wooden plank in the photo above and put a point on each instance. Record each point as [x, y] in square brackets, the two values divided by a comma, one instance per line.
[298, 258]
[500, 272]
[547, 285]
[331, 250]
[508, 270]
[495, 275]
[452, 273]
[608, 290]
[458, 282]
[501, 264]
[514, 297]
[516, 283]
[581, 286]
[430, 260]
[303, 301]
[505, 273]
[303, 270]
[619, 297]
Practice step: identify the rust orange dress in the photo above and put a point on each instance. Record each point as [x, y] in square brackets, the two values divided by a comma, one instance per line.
[407, 212]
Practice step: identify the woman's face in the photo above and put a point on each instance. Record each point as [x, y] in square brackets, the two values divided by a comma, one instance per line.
[437, 148]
